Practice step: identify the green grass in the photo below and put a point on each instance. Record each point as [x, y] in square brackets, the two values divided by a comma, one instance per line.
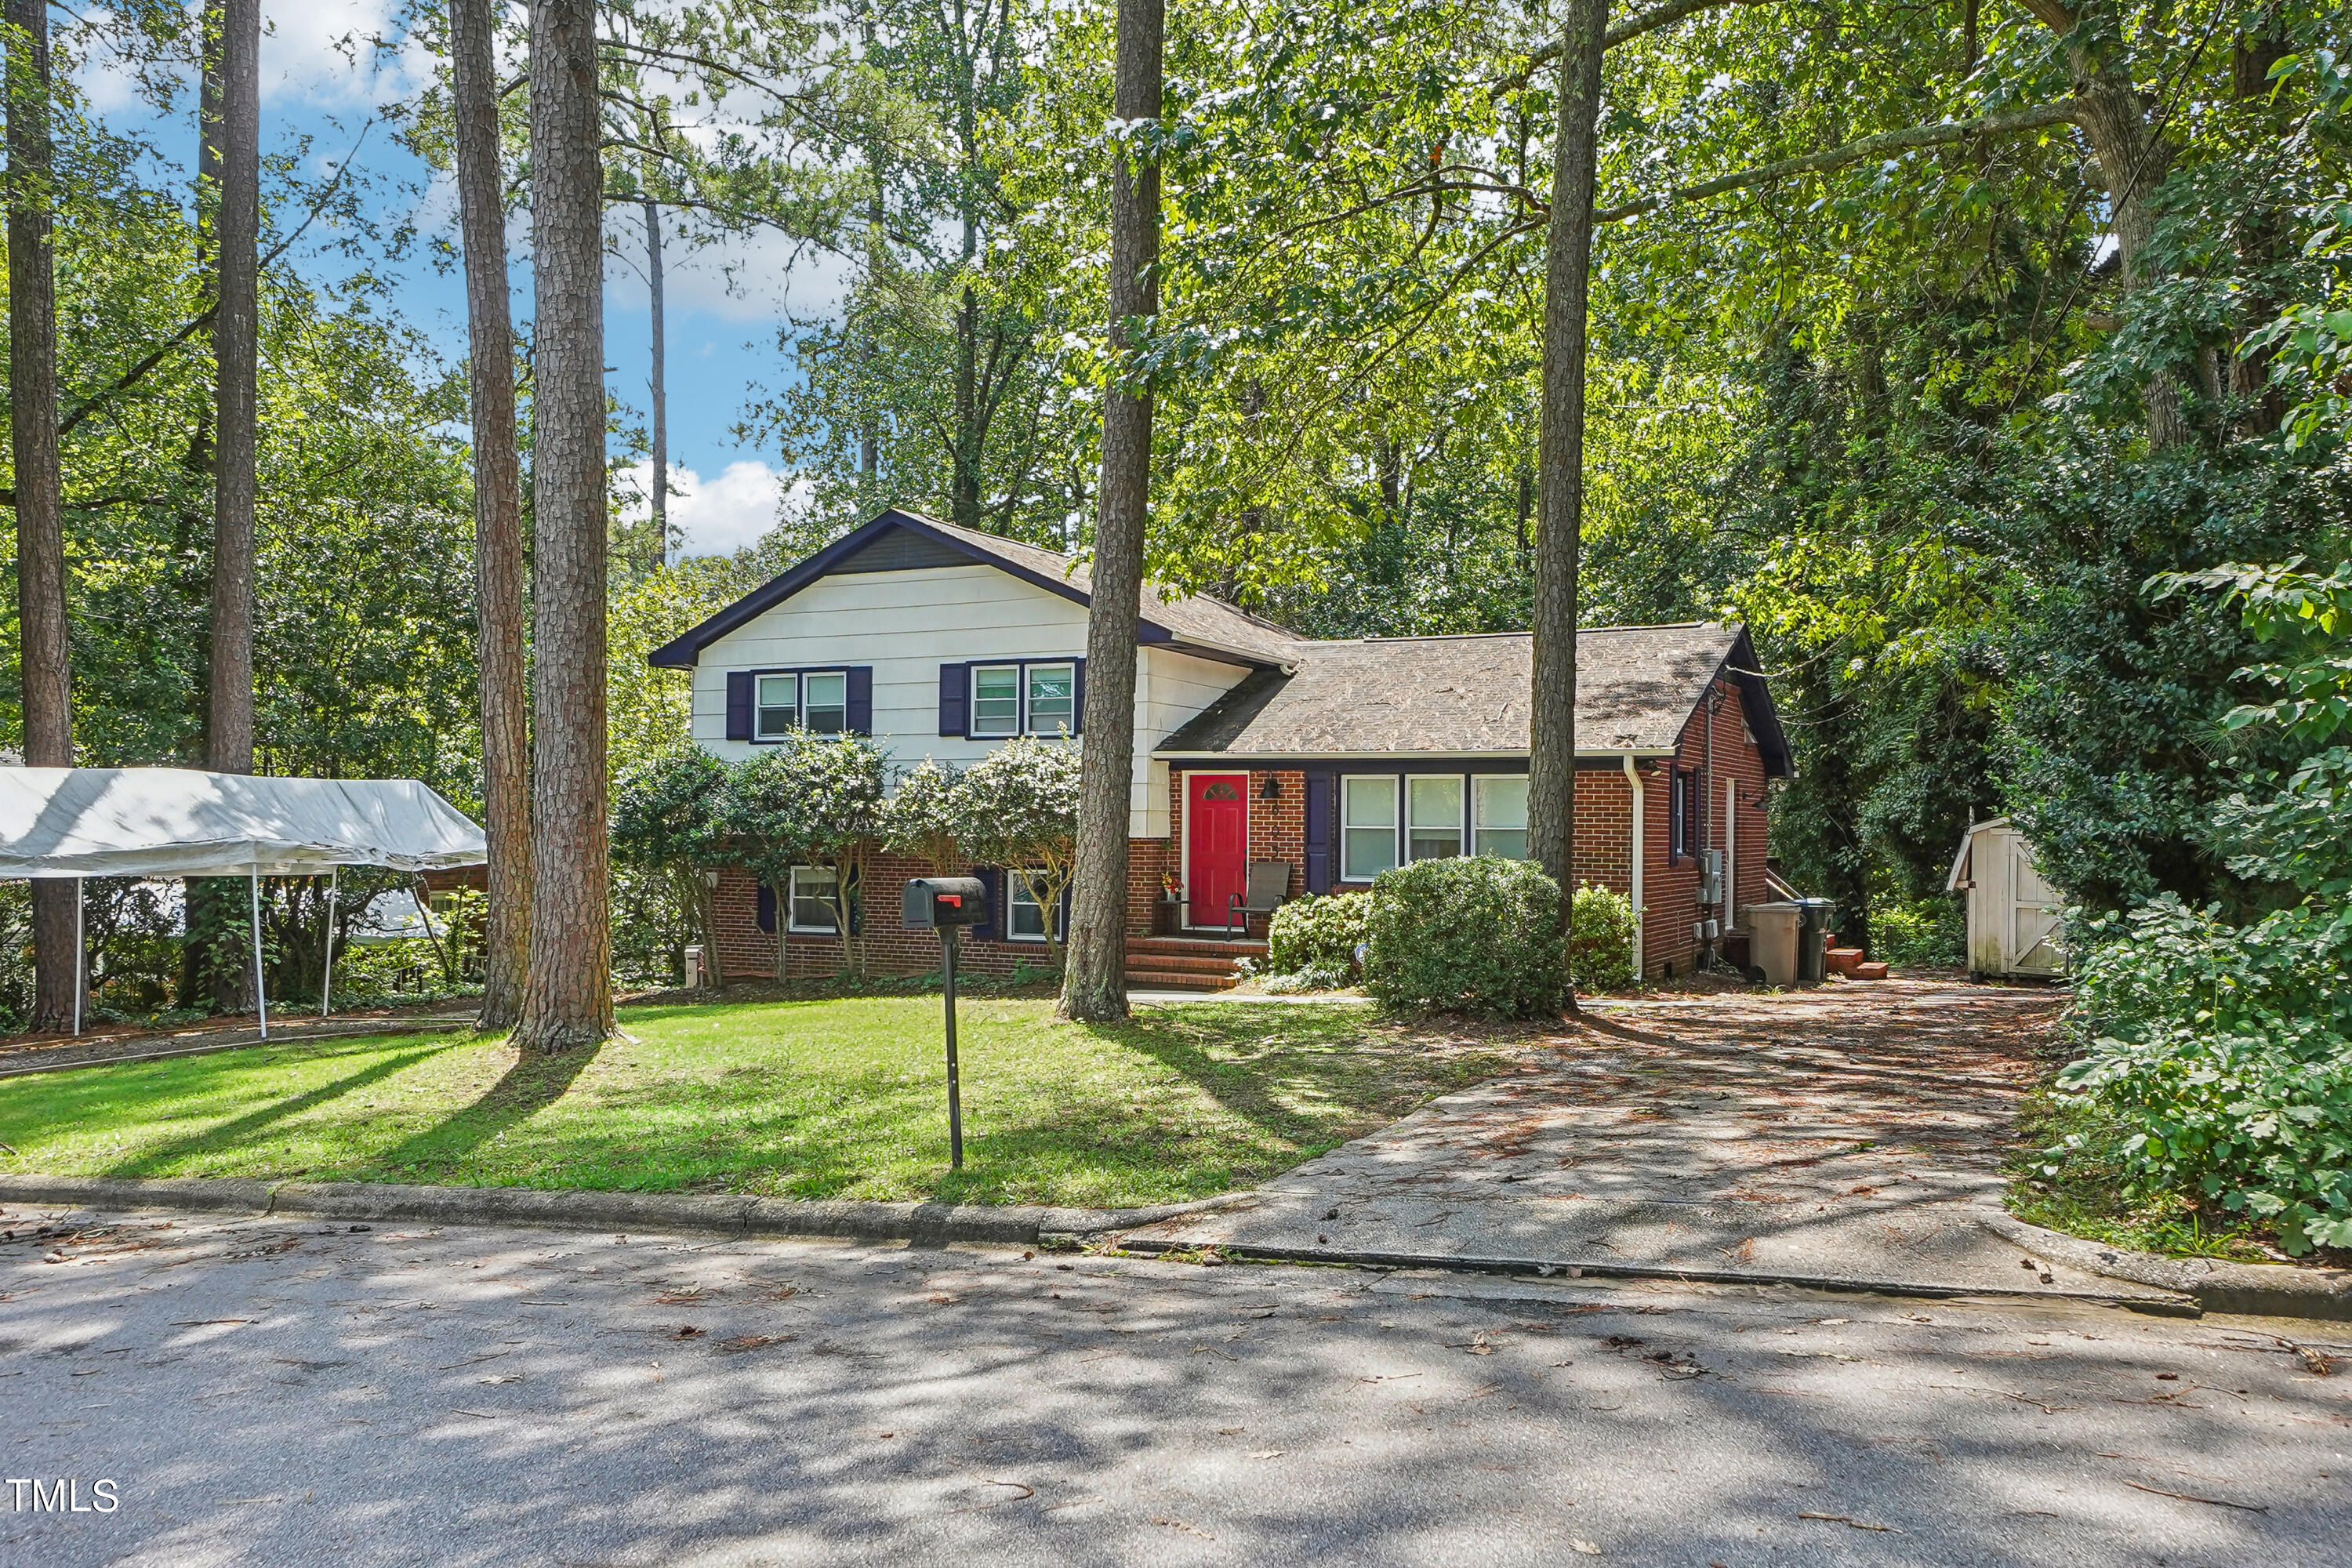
[839, 1098]
[2087, 1195]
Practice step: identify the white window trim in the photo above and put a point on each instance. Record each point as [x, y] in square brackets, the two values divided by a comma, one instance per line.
[1462, 821]
[792, 904]
[1014, 884]
[1396, 802]
[1478, 824]
[800, 679]
[1184, 850]
[1020, 699]
[1029, 721]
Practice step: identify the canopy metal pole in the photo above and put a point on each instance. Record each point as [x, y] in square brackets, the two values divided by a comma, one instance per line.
[260, 996]
[326, 987]
[81, 960]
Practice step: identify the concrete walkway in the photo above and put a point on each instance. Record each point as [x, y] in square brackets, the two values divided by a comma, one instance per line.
[1854, 1132]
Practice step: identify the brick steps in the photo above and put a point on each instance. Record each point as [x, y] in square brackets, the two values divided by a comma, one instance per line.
[1187, 963]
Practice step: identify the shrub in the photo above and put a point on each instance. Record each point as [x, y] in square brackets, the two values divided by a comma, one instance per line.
[1930, 931]
[1601, 932]
[1480, 936]
[2229, 1052]
[1319, 937]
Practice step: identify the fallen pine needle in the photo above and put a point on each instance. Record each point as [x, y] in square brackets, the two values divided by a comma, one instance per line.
[1850, 1523]
[2210, 1501]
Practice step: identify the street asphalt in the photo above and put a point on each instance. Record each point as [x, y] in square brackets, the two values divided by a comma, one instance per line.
[262, 1391]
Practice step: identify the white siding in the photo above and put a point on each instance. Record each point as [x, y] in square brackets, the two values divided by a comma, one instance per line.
[906, 623]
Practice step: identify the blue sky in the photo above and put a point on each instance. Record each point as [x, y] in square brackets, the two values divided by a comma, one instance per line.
[721, 338]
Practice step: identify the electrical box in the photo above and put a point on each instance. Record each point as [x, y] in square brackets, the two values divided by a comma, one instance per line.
[1710, 877]
[931, 903]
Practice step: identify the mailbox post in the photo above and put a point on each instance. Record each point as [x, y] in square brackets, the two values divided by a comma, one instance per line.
[947, 904]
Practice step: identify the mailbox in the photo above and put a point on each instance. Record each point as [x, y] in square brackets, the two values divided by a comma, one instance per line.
[936, 902]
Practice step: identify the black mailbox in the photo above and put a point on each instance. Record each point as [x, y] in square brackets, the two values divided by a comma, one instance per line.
[932, 902]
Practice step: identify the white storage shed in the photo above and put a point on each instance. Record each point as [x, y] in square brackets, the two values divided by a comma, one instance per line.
[2013, 914]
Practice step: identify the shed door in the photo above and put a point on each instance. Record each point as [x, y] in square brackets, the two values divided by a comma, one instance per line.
[2033, 908]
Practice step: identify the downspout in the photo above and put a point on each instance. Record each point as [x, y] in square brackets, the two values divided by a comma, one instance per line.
[1641, 946]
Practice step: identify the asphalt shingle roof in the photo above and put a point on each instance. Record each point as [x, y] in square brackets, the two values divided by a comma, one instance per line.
[1635, 689]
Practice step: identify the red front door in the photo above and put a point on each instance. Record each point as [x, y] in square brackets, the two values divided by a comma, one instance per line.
[1216, 851]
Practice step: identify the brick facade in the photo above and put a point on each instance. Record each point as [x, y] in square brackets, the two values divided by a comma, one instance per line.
[1715, 745]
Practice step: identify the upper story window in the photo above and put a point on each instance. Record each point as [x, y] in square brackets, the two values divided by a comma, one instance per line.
[996, 699]
[815, 699]
[1367, 825]
[1433, 816]
[1498, 808]
[780, 706]
[824, 701]
[1053, 698]
[1024, 698]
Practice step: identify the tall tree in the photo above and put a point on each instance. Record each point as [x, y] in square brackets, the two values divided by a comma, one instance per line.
[1094, 984]
[228, 735]
[498, 511]
[658, 385]
[1559, 461]
[567, 995]
[45, 660]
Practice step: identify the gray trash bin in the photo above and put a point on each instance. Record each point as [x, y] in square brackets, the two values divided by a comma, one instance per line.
[1813, 939]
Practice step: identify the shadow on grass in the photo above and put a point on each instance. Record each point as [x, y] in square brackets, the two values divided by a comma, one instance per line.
[157, 1161]
[533, 1083]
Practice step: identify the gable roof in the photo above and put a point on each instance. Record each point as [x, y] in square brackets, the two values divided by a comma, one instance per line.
[1636, 688]
[897, 541]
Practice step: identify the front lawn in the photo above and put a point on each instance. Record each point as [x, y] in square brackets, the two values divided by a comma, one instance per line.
[843, 1097]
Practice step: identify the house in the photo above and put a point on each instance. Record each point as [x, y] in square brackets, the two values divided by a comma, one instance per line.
[1335, 759]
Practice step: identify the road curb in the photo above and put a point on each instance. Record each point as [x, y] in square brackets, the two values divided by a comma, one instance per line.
[2167, 1305]
[2276, 1290]
[1010, 1224]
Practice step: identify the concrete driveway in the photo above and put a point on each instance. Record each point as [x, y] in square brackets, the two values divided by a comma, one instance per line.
[1848, 1132]
[266, 1392]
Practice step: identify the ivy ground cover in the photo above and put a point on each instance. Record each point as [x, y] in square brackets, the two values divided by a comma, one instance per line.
[826, 1099]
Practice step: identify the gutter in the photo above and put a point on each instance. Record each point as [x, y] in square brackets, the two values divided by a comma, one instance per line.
[1640, 926]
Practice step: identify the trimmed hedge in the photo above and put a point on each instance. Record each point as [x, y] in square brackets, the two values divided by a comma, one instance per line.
[1317, 938]
[1479, 936]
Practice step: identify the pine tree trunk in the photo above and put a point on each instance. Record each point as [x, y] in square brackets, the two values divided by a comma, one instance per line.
[1094, 982]
[228, 739]
[660, 389]
[1551, 762]
[236, 234]
[568, 996]
[46, 658]
[497, 515]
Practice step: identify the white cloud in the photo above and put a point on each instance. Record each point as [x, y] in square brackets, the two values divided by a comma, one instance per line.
[722, 514]
[759, 277]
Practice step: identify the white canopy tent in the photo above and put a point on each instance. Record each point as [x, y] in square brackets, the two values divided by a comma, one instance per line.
[178, 822]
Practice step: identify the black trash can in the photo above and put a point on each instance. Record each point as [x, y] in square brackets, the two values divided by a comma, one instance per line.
[1813, 920]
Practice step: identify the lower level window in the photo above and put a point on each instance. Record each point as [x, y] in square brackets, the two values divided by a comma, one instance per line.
[812, 904]
[1499, 811]
[1433, 817]
[1368, 828]
[1024, 921]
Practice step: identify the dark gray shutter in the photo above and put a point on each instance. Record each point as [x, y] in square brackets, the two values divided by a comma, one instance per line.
[861, 700]
[1078, 696]
[998, 920]
[739, 704]
[1318, 833]
[955, 697]
[767, 911]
